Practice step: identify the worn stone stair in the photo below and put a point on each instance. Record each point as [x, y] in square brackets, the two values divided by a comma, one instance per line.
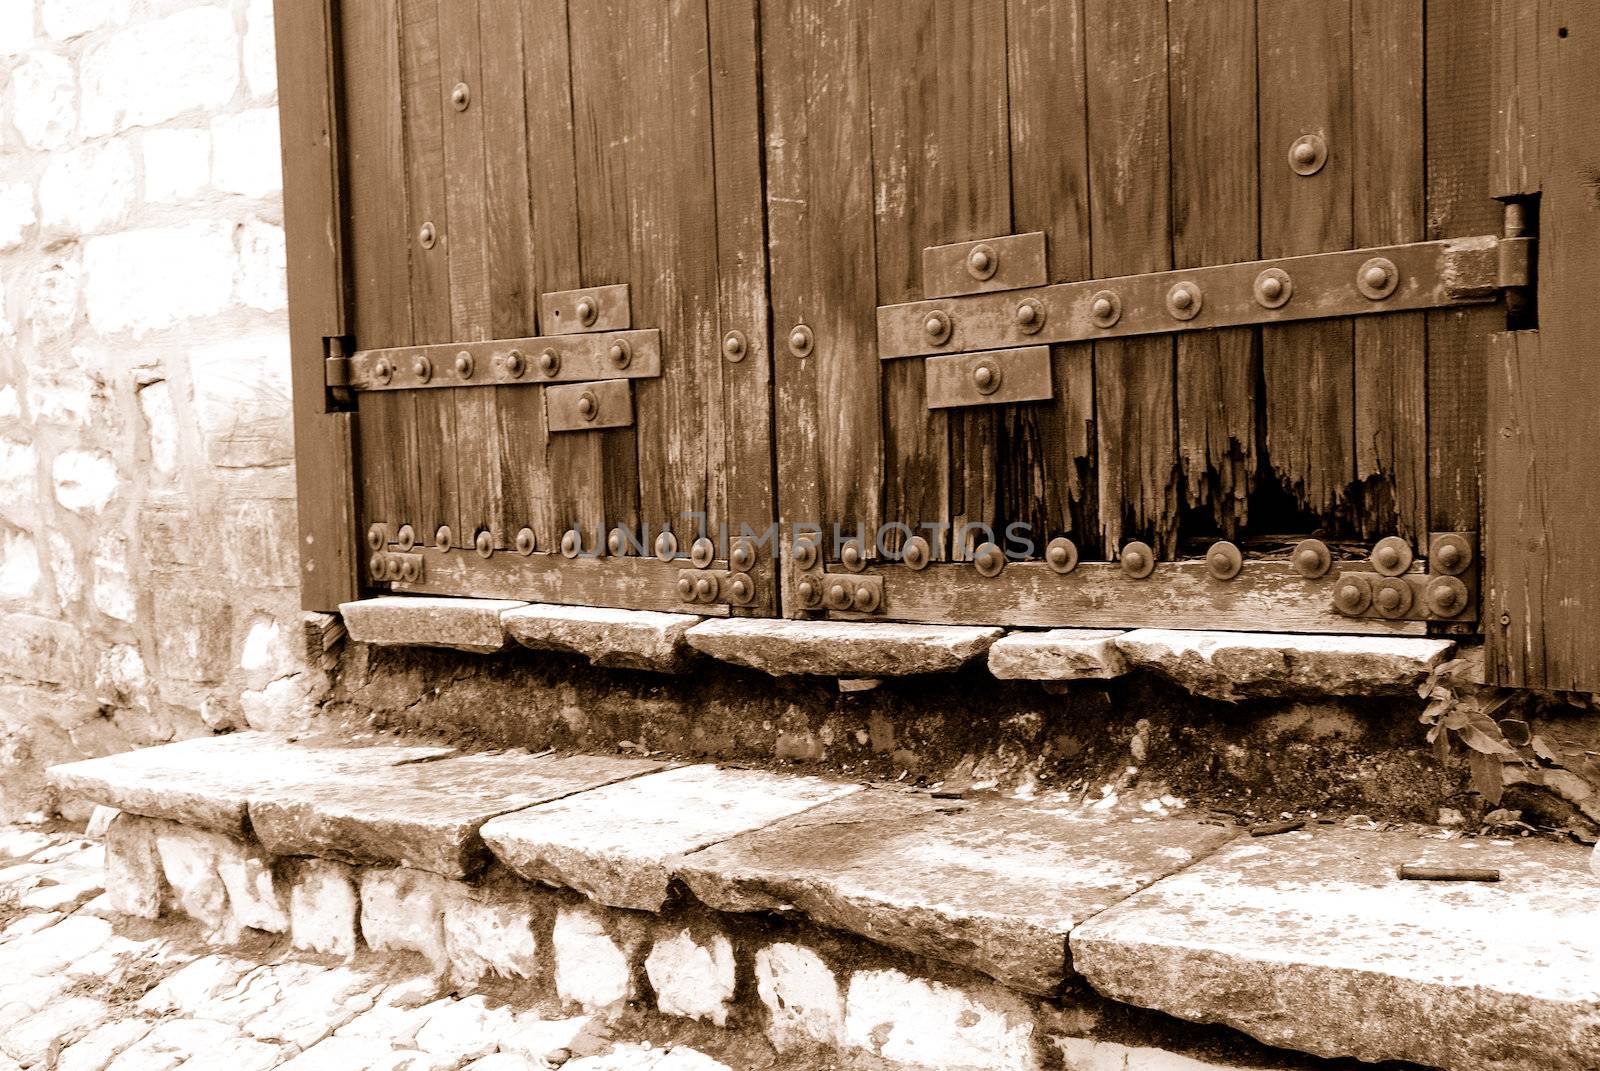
[876, 922]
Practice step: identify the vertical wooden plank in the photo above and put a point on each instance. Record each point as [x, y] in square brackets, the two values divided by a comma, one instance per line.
[1460, 62]
[1212, 61]
[312, 209]
[1047, 451]
[423, 128]
[742, 276]
[1130, 234]
[1517, 510]
[1514, 169]
[1391, 351]
[1304, 48]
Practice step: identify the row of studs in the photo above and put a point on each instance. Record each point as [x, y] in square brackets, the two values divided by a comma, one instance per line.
[702, 552]
[620, 354]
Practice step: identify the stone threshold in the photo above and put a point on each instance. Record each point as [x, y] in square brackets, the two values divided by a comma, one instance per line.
[1305, 940]
[1229, 666]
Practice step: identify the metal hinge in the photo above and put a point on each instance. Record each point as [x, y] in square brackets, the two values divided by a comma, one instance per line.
[335, 363]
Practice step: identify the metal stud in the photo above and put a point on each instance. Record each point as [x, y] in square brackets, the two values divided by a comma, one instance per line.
[382, 370]
[620, 354]
[427, 235]
[1377, 278]
[571, 543]
[410, 570]
[703, 552]
[706, 588]
[461, 96]
[588, 405]
[740, 588]
[588, 311]
[443, 538]
[407, 538]
[1138, 560]
[1312, 558]
[988, 559]
[1105, 308]
[686, 588]
[526, 542]
[422, 368]
[464, 365]
[1391, 556]
[1224, 560]
[1451, 554]
[1030, 316]
[735, 346]
[982, 262]
[617, 542]
[484, 544]
[853, 555]
[1061, 554]
[1353, 594]
[1445, 596]
[377, 566]
[549, 363]
[839, 594]
[916, 553]
[986, 377]
[392, 569]
[1391, 597]
[1184, 300]
[377, 537]
[809, 593]
[801, 341]
[865, 598]
[1273, 288]
[804, 554]
[743, 555]
[1307, 154]
[515, 365]
[666, 546]
[937, 327]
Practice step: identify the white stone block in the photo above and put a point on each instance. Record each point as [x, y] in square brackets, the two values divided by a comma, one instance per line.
[464, 1030]
[176, 163]
[263, 267]
[17, 214]
[134, 878]
[260, 50]
[10, 405]
[16, 28]
[1063, 654]
[53, 305]
[591, 968]
[66, 19]
[241, 400]
[144, 280]
[420, 621]
[1082, 1054]
[403, 910]
[691, 979]
[189, 859]
[113, 592]
[19, 566]
[492, 936]
[64, 569]
[35, 1040]
[245, 157]
[96, 1049]
[933, 1025]
[801, 996]
[160, 426]
[255, 895]
[155, 71]
[19, 465]
[42, 96]
[323, 908]
[85, 480]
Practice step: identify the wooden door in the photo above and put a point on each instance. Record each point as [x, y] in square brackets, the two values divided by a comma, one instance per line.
[557, 340]
[1131, 312]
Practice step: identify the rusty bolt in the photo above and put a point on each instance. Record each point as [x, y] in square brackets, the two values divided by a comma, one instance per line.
[742, 556]
[377, 536]
[422, 368]
[989, 559]
[981, 262]
[427, 235]
[1102, 308]
[853, 556]
[839, 596]
[382, 370]
[1061, 554]
[1375, 276]
[443, 538]
[734, 346]
[739, 588]
[588, 311]
[616, 542]
[1305, 154]
[484, 545]
[1138, 560]
[804, 553]
[588, 405]
[1027, 312]
[407, 537]
[1351, 597]
[915, 553]
[1271, 287]
[938, 327]
[461, 96]
[865, 598]
[464, 365]
[702, 552]
[1388, 599]
[986, 378]
[571, 543]
[807, 590]
[526, 542]
[686, 588]
[410, 570]
[705, 588]
[549, 362]
[666, 546]
[801, 341]
[620, 353]
[515, 364]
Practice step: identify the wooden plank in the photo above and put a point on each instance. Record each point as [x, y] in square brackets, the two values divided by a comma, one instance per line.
[1047, 452]
[742, 279]
[1304, 57]
[313, 209]
[1008, 262]
[636, 583]
[1212, 59]
[423, 128]
[1544, 489]
[1130, 232]
[999, 377]
[1391, 367]
[1266, 596]
[1514, 167]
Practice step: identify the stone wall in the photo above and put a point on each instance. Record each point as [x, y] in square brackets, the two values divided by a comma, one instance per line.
[147, 563]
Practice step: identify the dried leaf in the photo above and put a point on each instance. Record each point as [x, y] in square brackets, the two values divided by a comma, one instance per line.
[1487, 778]
[1441, 744]
[1545, 751]
[1516, 731]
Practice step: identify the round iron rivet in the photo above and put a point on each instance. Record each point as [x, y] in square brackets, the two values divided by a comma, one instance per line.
[705, 588]
[1105, 308]
[549, 362]
[739, 588]
[377, 536]
[1353, 595]
[515, 365]
[376, 566]
[526, 542]
[686, 588]
[804, 553]
[702, 552]
[801, 341]
[410, 570]
[588, 405]
[1451, 554]
[391, 567]
[742, 556]
[734, 346]
[1377, 278]
[937, 327]
[1184, 301]
[571, 543]
[406, 538]
[807, 590]
[1391, 556]
[588, 311]
[916, 553]
[1030, 316]
[1273, 288]
[461, 96]
[620, 353]
[1392, 597]
[617, 542]
[666, 546]
[986, 378]
[1138, 560]
[1446, 596]
[1061, 554]
[1224, 560]
[839, 596]
[443, 538]
[427, 235]
[853, 556]
[1308, 153]
[982, 262]
[382, 370]
[484, 544]
[865, 598]
[464, 365]
[422, 368]
[988, 559]
[1312, 558]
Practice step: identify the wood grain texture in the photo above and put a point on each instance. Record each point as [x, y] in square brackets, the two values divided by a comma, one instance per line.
[1391, 365]
[1304, 63]
[1131, 232]
[634, 583]
[1517, 33]
[1212, 62]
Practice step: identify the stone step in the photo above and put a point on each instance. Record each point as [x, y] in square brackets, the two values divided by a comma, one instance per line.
[620, 639]
[841, 648]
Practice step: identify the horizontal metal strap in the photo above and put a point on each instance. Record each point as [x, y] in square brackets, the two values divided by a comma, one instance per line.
[511, 361]
[1353, 282]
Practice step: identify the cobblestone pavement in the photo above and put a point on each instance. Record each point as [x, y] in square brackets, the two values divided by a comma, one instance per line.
[82, 989]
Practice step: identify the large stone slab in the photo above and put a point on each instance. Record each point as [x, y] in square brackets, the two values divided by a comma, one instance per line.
[994, 885]
[1243, 665]
[1062, 654]
[425, 816]
[620, 845]
[471, 625]
[842, 648]
[624, 639]
[209, 782]
[1309, 941]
